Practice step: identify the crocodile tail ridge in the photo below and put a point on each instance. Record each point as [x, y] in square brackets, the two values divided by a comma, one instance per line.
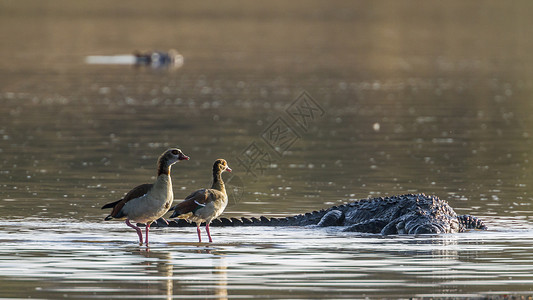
[243, 221]
[471, 222]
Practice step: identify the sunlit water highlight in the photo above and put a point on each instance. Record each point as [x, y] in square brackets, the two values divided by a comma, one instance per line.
[102, 260]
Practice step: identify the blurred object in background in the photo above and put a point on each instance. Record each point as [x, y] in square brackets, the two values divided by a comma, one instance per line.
[154, 59]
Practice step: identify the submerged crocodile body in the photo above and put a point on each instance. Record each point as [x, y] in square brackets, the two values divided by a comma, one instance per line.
[403, 214]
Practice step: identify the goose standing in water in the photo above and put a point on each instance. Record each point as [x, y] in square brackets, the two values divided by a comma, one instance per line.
[205, 205]
[148, 202]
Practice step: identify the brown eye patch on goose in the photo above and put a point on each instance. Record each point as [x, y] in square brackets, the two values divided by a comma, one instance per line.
[175, 152]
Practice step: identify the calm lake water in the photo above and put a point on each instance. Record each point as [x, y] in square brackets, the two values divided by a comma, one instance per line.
[407, 96]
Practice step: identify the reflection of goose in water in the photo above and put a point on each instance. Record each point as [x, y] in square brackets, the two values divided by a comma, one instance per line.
[221, 270]
[159, 264]
[163, 266]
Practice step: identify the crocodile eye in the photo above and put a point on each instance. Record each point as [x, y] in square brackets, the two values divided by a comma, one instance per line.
[175, 152]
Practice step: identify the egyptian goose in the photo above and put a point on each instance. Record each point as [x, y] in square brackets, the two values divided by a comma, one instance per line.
[205, 205]
[148, 202]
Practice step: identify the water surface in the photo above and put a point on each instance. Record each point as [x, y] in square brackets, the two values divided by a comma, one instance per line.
[412, 97]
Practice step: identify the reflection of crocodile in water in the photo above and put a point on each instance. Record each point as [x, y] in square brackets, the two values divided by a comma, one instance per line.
[404, 214]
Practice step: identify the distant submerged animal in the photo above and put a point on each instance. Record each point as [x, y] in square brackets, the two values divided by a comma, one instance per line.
[205, 205]
[159, 59]
[170, 60]
[148, 202]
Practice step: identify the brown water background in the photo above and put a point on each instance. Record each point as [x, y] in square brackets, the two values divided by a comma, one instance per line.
[411, 96]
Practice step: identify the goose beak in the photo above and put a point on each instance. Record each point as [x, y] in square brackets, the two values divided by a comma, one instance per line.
[183, 157]
[228, 169]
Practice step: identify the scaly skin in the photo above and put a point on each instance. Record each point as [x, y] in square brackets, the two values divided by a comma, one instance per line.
[403, 214]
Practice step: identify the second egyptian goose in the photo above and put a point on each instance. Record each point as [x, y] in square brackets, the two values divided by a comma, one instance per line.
[205, 205]
[148, 202]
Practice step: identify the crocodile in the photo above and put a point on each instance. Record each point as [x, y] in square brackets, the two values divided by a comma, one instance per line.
[401, 214]
[158, 59]
[170, 59]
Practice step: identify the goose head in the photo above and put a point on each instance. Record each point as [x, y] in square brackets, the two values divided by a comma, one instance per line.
[171, 156]
[220, 166]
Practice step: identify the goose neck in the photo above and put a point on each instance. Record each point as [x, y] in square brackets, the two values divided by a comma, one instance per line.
[218, 183]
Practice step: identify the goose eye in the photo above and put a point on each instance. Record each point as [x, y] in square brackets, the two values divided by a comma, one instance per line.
[175, 152]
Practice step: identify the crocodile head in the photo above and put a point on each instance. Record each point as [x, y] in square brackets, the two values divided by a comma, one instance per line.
[426, 217]
[425, 226]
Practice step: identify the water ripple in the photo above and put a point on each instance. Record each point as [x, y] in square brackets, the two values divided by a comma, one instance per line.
[102, 260]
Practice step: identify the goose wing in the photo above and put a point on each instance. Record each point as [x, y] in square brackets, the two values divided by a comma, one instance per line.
[193, 202]
[136, 192]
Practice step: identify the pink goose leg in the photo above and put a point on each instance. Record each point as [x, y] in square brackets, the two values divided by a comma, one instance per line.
[147, 229]
[208, 233]
[199, 233]
[139, 232]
